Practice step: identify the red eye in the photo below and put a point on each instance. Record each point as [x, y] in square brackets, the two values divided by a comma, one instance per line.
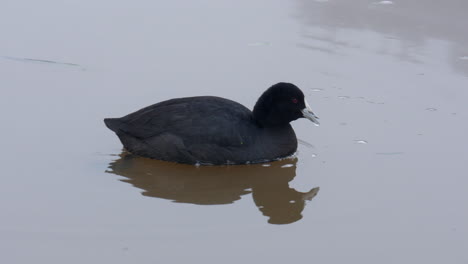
[294, 100]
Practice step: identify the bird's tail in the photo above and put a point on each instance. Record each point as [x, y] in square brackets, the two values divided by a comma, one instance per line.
[112, 123]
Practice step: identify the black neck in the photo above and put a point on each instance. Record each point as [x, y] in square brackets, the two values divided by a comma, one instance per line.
[268, 116]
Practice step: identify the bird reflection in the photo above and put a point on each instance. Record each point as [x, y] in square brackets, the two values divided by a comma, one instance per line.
[210, 185]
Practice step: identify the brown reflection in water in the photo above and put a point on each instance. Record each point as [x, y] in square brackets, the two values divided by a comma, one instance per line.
[209, 185]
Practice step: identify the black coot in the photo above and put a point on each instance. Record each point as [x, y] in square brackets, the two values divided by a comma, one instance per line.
[214, 130]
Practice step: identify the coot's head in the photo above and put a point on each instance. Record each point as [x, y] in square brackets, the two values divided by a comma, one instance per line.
[281, 104]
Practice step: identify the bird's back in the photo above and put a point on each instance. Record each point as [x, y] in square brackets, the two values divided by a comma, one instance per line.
[202, 129]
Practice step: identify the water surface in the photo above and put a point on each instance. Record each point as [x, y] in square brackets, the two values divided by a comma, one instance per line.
[388, 80]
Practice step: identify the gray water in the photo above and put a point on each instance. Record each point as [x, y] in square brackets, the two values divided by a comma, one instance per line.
[382, 180]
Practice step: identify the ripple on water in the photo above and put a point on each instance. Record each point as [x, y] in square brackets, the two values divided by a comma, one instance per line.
[43, 61]
[431, 109]
[386, 2]
[287, 165]
[360, 141]
[305, 143]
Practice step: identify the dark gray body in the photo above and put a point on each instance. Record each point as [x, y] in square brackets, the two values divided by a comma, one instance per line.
[205, 130]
